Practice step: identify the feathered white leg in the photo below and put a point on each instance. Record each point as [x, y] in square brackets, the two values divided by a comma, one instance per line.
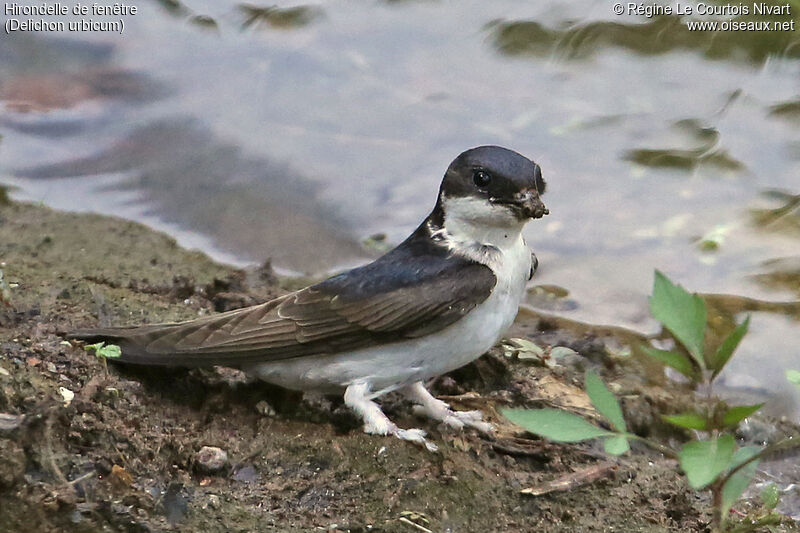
[435, 408]
[356, 397]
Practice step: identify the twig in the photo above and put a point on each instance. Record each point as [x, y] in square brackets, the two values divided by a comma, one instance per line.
[405, 520]
[573, 480]
[510, 448]
[78, 479]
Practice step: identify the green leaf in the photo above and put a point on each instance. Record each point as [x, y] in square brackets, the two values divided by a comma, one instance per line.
[112, 351]
[794, 377]
[688, 421]
[604, 401]
[738, 482]
[704, 460]
[555, 424]
[723, 354]
[734, 415]
[95, 347]
[678, 361]
[771, 496]
[616, 445]
[682, 313]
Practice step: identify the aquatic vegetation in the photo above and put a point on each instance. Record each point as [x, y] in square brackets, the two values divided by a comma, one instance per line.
[660, 34]
[785, 218]
[787, 110]
[707, 151]
[276, 17]
[712, 460]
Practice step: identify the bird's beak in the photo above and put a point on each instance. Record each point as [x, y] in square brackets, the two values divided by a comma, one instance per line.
[530, 204]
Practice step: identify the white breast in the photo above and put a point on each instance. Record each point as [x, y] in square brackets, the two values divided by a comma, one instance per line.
[393, 365]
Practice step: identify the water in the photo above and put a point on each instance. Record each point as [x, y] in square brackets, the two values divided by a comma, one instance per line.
[293, 135]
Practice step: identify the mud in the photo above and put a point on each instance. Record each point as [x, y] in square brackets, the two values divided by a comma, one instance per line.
[89, 447]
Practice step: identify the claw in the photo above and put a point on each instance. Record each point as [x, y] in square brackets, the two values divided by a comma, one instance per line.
[417, 436]
[375, 422]
[436, 409]
[473, 419]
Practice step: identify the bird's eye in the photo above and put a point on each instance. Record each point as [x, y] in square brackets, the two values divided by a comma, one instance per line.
[481, 178]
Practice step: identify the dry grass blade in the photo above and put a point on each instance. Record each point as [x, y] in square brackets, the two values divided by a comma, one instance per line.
[573, 480]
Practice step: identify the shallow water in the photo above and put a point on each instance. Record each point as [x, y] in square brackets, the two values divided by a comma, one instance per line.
[295, 134]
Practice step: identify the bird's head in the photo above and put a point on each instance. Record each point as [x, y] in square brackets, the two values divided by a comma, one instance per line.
[493, 186]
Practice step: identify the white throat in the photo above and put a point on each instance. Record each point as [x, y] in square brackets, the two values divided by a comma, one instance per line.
[476, 222]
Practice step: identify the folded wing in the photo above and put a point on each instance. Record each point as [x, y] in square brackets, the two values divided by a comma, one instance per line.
[385, 301]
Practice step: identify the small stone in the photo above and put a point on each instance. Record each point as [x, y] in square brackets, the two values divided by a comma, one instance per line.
[211, 459]
[214, 501]
[265, 409]
[9, 422]
[67, 395]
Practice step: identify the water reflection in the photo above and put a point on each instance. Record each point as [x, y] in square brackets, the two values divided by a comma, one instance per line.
[42, 92]
[173, 7]
[782, 273]
[707, 152]
[197, 181]
[275, 17]
[787, 110]
[785, 218]
[660, 35]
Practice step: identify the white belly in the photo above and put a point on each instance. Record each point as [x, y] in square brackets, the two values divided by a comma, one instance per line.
[391, 366]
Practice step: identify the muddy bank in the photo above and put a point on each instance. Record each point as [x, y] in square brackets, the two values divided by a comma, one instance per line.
[89, 448]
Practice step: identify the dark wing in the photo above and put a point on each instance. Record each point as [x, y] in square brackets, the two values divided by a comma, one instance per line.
[385, 301]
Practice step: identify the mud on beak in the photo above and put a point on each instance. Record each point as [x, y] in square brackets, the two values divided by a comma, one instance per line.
[528, 204]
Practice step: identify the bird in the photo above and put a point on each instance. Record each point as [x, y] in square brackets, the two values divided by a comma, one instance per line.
[437, 301]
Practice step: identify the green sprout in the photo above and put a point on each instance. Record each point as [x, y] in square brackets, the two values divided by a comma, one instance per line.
[713, 461]
[104, 352]
[112, 351]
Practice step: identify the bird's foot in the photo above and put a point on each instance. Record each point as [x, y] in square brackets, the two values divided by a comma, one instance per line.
[417, 436]
[377, 423]
[428, 405]
[383, 426]
[458, 419]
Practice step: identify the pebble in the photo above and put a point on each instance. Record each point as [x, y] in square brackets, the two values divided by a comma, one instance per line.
[211, 459]
[265, 409]
[10, 422]
[214, 501]
[67, 395]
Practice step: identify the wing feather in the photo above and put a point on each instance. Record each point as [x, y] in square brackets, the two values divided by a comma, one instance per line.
[378, 303]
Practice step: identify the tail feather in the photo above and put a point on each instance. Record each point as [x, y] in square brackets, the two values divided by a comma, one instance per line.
[133, 343]
[173, 344]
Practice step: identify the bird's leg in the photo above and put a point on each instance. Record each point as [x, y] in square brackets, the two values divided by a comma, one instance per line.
[432, 407]
[356, 397]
